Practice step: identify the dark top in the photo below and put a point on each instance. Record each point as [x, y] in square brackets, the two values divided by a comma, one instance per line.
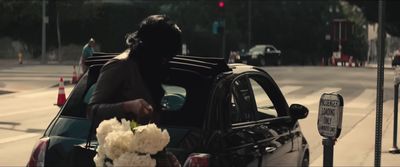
[119, 81]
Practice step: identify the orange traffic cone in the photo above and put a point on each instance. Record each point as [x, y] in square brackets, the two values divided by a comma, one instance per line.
[61, 93]
[74, 77]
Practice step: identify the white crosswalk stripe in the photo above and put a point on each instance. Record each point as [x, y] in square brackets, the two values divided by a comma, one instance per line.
[289, 89]
[356, 101]
[366, 98]
[313, 97]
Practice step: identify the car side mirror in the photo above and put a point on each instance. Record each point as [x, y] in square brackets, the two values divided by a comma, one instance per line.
[298, 111]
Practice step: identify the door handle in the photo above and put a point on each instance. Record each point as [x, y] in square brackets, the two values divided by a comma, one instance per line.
[270, 149]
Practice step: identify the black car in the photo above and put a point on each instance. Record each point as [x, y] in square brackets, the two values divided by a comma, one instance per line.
[216, 115]
[264, 55]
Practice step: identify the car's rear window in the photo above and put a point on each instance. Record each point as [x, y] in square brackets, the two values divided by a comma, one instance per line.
[187, 106]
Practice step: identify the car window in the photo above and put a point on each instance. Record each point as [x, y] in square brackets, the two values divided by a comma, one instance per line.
[174, 97]
[241, 101]
[76, 106]
[183, 104]
[265, 107]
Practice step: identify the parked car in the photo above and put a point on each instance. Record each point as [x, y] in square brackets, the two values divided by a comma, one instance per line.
[264, 55]
[216, 115]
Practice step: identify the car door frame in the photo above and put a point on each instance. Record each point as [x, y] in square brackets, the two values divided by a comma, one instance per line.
[272, 90]
[242, 128]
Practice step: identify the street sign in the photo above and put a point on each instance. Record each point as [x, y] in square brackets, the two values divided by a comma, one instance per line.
[330, 115]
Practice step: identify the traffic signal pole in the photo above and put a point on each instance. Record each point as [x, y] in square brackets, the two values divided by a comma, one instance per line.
[223, 46]
[221, 6]
[395, 149]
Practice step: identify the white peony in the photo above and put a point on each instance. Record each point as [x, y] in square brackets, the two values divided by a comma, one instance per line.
[118, 142]
[106, 127]
[150, 139]
[133, 159]
[99, 160]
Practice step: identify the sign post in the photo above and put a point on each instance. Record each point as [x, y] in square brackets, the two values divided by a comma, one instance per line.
[330, 123]
[395, 149]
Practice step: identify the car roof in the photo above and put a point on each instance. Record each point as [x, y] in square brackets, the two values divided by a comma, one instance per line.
[203, 67]
[239, 68]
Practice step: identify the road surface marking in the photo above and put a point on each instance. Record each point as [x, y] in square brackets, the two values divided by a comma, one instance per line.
[28, 111]
[46, 93]
[366, 98]
[315, 96]
[344, 113]
[20, 137]
[289, 89]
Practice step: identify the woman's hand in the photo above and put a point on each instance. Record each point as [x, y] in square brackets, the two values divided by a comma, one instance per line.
[139, 107]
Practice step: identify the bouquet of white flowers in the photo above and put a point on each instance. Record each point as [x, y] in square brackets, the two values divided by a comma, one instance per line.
[127, 145]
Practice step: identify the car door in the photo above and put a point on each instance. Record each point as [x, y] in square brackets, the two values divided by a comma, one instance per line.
[241, 146]
[273, 131]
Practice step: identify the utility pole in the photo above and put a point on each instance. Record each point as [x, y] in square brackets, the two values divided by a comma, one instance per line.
[339, 23]
[249, 24]
[59, 39]
[44, 22]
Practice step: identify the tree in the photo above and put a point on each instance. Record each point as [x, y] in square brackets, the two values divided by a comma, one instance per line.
[296, 27]
[356, 45]
[21, 20]
[370, 11]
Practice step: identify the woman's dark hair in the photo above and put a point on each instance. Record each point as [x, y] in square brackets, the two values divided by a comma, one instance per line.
[157, 36]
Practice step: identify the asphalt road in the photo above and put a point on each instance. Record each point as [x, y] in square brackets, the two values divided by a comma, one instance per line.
[25, 115]
[24, 118]
[20, 78]
[27, 98]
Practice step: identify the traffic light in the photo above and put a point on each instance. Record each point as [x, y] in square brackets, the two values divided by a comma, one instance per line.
[221, 4]
[219, 25]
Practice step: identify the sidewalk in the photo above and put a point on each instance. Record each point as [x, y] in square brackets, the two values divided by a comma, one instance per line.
[357, 148]
[386, 66]
[32, 75]
[14, 62]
